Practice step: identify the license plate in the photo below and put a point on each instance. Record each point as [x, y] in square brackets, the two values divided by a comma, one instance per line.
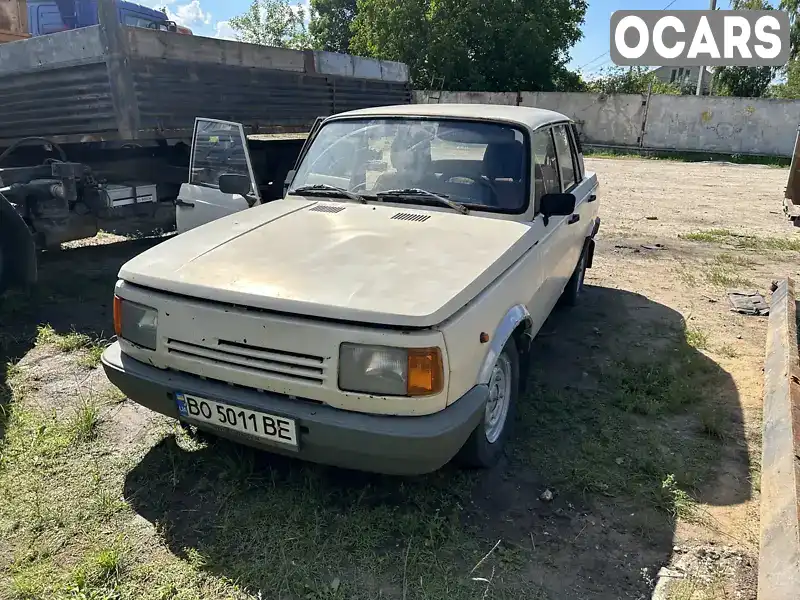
[262, 425]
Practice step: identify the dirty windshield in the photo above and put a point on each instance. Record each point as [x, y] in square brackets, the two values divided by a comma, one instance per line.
[474, 163]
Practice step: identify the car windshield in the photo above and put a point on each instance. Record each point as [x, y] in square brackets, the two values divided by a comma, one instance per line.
[477, 164]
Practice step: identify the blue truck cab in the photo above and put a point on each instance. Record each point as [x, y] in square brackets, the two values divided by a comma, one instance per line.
[50, 16]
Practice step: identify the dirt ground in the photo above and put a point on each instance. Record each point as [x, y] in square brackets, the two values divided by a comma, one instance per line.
[636, 450]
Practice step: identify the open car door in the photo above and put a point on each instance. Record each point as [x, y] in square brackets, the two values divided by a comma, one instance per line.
[218, 148]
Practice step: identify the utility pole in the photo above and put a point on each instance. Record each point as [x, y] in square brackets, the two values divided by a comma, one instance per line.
[702, 72]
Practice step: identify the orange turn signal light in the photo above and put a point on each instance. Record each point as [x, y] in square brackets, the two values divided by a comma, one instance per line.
[117, 316]
[425, 371]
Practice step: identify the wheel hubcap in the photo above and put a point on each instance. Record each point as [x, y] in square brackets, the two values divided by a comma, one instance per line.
[499, 397]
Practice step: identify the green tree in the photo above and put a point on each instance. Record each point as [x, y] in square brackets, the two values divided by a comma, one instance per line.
[749, 82]
[793, 8]
[473, 44]
[273, 23]
[636, 80]
[790, 88]
[330, 24]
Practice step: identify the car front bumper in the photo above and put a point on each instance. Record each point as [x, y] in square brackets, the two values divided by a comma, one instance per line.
[397, 445]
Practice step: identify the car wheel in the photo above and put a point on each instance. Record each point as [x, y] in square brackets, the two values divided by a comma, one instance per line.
[486, 443]
[572, 292]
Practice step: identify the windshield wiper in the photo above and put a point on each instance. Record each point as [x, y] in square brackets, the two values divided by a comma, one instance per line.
[328, 190]
[420, 192]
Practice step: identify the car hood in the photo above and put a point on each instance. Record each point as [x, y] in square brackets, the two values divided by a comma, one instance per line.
[368, 263]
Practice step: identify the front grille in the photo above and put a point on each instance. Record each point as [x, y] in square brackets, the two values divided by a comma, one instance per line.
[267, 362]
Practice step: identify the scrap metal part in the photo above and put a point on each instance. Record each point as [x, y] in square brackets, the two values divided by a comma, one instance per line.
[779, 556]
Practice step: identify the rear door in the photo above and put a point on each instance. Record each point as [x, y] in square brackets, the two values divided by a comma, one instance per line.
[573, 180]
[556, 241]
[218, 147]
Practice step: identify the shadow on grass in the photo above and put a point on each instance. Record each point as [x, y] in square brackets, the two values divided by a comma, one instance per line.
[74, 294]
[626, 423]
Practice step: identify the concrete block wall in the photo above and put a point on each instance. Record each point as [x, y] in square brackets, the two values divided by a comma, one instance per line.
[685, 123]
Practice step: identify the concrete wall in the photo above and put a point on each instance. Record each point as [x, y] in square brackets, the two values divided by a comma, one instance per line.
[687, 123]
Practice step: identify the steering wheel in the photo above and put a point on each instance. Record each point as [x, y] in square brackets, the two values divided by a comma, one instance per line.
[494, 198]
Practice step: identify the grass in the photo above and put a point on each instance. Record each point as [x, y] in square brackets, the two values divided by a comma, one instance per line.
[622, 439]
[713, 420]
[725, 277]
[728, 351]
[288, 531]
[92, 349]
[715, 585]
[772, 161]
[696, 338]
[178, 518]
[743, 241]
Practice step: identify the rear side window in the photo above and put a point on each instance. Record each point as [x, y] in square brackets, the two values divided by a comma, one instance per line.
[566, 162]
[576, 152]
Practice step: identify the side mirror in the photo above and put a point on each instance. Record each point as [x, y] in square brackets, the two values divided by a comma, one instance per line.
[288, 181]
[557, 205]
[233, 183]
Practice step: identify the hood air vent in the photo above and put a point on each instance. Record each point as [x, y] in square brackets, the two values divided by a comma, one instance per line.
[326, 208]
[410, 217]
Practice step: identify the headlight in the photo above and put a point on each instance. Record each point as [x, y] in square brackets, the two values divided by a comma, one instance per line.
[135, 323]
[390, 371]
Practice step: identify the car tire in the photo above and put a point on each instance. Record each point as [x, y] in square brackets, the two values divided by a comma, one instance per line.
[572, 292]
[486, 443]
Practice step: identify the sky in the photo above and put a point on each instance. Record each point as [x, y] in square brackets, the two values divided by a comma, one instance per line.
[589, 56]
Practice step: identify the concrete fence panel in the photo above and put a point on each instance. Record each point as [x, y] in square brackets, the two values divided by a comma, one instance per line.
[721, 124]
[684, 123]
[601, 119]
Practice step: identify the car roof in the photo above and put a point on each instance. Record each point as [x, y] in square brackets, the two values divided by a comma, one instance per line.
[525, 116]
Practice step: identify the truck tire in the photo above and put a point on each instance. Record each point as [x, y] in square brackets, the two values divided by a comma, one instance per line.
[17, 249]
[4, 270]
[571, 293]
[485, 445]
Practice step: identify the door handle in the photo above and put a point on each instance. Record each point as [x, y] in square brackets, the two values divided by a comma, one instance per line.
[179, 202]
[592, 198]
[574, 218]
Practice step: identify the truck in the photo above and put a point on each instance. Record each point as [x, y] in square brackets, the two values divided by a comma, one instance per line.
[13, 21]
[380, 315]
[51, 16]
[97, 123]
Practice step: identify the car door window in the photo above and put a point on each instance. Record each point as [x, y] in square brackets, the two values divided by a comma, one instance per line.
[219, 147]
[566, 162]
[545, 166]
[576, 152]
